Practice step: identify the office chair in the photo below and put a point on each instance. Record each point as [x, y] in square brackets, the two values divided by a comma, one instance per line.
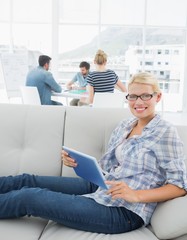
[110, 100]
[30, 95]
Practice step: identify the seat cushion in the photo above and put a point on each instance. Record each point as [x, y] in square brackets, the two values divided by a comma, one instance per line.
[59, 232]
[170, 218]
[23, 228]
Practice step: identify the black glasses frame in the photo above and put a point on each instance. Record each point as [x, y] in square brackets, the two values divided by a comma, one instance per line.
[148, 96]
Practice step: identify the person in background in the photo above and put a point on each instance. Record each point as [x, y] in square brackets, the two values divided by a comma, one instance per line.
[41, 78]
[79, 78]
[144, 164]
[103, 79]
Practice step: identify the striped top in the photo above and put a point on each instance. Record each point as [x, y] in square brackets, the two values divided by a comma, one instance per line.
[102, 81]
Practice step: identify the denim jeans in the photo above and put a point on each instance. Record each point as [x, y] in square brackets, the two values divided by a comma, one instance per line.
[56, 103]
[59, 199]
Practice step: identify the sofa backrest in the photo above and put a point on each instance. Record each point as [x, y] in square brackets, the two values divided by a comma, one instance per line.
[31, 139]
[88, 129]
[182, 131]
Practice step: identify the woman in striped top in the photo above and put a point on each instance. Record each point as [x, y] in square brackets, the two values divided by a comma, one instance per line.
[103, 79]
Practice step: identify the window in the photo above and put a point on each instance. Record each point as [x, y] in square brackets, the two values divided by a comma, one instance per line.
[176, 52]
[128, 12]
[5, 10]
[165, 9]
[5, 36]
[35, 37]
[161, 73]
[149, 63]
[74, 39]
[34, 11]
[139, 51]
[81, 11]
[77, 50]
[134, 42]
[169, 56]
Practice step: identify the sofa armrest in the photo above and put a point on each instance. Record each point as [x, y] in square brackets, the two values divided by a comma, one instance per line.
[169, 219]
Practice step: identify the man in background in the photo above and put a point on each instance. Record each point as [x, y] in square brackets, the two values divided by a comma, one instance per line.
[80, 79]
[41, 78]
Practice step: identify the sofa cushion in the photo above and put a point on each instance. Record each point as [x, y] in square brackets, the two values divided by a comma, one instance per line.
[182, 131]
[170, 218]
[23, 228]
[184, 237]
[88, 129]
[31, 139]
[59, 232]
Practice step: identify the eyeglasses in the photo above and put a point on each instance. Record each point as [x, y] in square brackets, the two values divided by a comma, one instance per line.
[144, 96]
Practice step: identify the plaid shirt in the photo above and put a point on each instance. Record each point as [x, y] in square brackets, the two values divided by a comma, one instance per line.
[148, 161]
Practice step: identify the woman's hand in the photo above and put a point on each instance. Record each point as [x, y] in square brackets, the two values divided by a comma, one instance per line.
[68, 161]
[122, 190]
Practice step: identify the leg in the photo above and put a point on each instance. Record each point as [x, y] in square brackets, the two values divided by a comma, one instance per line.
[80, 104]
[73, 211]
[83, 102]
[56, 184]
[56, 103]
[74, 102]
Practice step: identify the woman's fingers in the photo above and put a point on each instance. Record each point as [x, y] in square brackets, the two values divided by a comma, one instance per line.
[67, 160]
[122, 190]
[116, 187]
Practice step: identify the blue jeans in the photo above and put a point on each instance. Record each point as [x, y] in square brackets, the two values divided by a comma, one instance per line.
[59, 199]
[56, 103]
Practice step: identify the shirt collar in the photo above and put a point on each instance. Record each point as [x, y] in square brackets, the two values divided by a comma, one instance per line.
[150, 125]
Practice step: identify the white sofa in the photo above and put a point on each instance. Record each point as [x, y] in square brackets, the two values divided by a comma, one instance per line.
[31, 138]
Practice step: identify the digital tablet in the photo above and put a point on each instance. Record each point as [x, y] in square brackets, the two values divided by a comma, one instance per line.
[87, 167]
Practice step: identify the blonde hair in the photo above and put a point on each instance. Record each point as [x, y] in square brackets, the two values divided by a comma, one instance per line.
[100, 57]
[145, 78]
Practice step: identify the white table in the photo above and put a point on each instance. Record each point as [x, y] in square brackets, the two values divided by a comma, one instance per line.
[78, 94]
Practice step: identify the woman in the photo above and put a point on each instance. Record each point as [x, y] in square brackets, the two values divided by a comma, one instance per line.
[144, 164]
[103, 79]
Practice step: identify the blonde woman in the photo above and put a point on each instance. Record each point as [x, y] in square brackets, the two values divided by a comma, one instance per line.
[144, 165]
[102, 79]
